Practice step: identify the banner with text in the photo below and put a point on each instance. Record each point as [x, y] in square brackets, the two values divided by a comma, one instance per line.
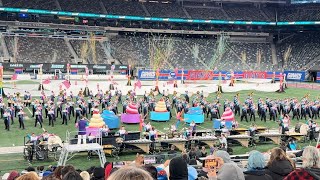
[166, 75]
[295, 75]
[318, 77]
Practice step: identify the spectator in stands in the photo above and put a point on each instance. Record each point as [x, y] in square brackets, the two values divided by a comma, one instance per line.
[98, 173]
[227, 168]
[279, 164]
[198, 152]
[161, 173]
[66, 169]
[29, 176]
[255, 167]
[172, 149]
[72, 175]
[139, 161]
[192, 153]
[203, 152]
[192, 172]
[130, 173]
[152, 171]
[13, 175]
[57, 172]
[107, 169]
[178, 169]
[310, 165]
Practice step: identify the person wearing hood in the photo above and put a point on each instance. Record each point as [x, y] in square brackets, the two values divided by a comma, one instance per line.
[192, 172]
[279, 165]
[227, 169]
[178, 169]
[255, 167]
[310, 165]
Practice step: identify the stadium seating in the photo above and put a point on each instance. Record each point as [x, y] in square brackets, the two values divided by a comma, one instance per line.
[206, 13]
[34, 4]
[207, 10]
[299, 13]
[188, 53]
[305, 47]
[165, 10]
[244, 13]
[121, 7]
[30, 49]
[99, 52]
[81, 6]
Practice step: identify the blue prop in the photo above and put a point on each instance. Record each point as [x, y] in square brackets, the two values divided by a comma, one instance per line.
[110, 119]
[159, 116]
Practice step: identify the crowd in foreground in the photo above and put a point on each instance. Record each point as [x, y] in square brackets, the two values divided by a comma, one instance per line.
[270, 166]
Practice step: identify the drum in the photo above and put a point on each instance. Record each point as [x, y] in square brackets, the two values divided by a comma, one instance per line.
[297, 128]
[304, 129]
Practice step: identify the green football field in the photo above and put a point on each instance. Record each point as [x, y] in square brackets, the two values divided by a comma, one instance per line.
[15, 136]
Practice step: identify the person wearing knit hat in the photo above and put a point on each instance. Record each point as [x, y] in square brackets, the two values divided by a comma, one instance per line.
[13, 175]
[178, 169]
[98, 173]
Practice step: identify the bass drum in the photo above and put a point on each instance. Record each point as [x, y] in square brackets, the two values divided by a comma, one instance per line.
[301, 128]
[297, 128]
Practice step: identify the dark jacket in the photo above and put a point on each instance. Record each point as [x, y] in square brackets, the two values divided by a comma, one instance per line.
[304, 173]
[178, 169]
[256, 175]
[279, 169]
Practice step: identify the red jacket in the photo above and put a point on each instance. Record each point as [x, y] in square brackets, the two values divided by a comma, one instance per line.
[301, 174]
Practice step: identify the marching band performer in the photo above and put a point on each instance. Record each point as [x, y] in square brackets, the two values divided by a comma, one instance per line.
[21, 115]
[6, 118]
[65, 116]
[38, 118]
[51, 117]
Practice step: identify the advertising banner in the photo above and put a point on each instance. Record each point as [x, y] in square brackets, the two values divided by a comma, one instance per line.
[166, 75]
[295, 75]
[318, 77]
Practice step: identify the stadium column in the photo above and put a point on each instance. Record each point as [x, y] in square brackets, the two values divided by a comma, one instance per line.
[1, 82]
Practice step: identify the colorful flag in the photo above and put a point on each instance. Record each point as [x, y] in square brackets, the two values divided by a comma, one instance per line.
[87, 71]
[138, 84]
[14, 77]
[46, 81]
[66, 84]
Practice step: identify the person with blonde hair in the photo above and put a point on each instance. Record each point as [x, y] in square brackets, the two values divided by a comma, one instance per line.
[310, 165]
[85, 175]
[29, 176]
[139, 161]
[279, 165]
[130, 173]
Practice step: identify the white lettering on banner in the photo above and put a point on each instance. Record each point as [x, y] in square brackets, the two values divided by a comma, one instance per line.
[148, 74]
[123, 67]
[99, 67]
[78, 66]
[57, 66]
[16, 65]
[296, 76]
